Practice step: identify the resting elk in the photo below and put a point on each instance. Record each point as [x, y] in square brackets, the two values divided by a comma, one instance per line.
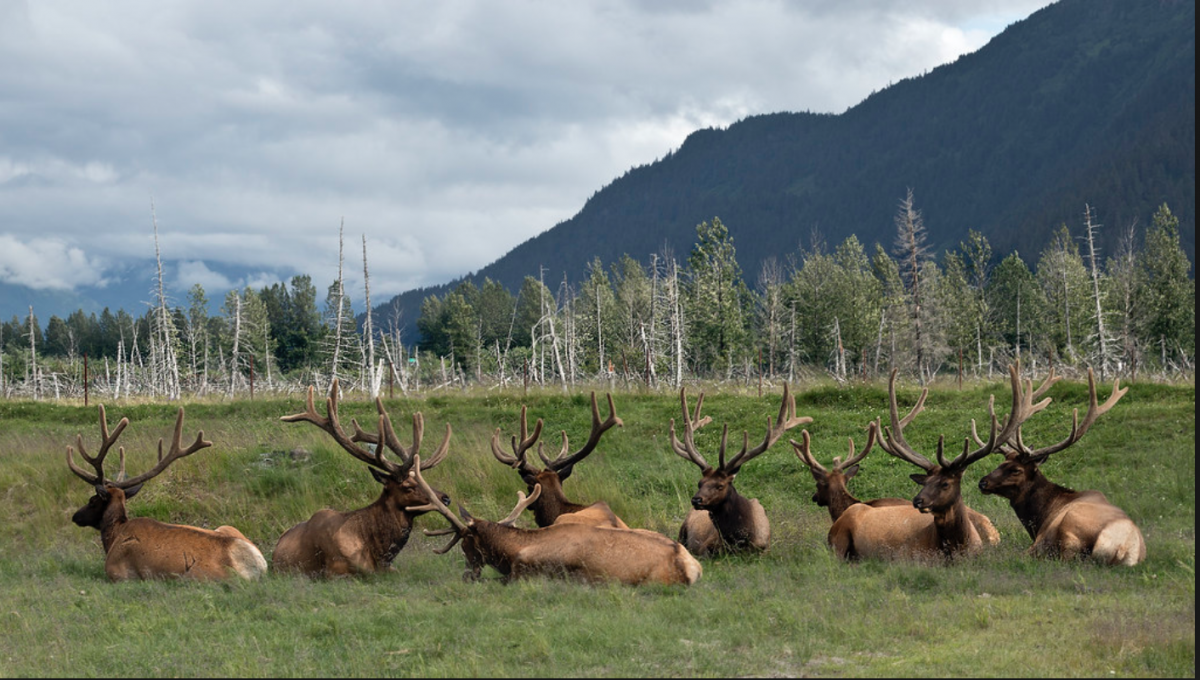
[145, 548]
[367, 540]
[952, 533]
[552, 505]
[722, 520]
[1063, 522]
[593, 554]
[832, 492]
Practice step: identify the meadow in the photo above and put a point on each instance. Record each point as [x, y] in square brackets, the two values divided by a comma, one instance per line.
[793, 611]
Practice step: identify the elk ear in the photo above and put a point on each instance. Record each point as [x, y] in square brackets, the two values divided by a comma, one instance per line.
[850, 471]
[132, 491]
[919, 479]
[380, 476]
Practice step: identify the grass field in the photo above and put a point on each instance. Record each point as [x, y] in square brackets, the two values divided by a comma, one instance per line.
[793, 611]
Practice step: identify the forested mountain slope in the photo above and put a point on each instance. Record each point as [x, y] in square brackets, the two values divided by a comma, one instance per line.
[1085, 102]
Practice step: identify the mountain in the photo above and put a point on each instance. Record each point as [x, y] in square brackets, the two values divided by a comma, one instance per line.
[1083, 103]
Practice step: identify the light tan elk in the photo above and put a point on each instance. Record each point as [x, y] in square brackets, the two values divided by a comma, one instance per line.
[363, 541]
[552, 505]
[1063, 522]
[144, 548]
[585, 552]
[952, 534]
[832, 492]
[722, 520]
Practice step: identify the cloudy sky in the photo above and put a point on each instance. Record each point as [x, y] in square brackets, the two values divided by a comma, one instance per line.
[443, 133]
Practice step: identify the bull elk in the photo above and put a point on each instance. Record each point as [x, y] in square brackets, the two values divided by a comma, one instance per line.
[1063, 522]
[831, 492]
[367, 540]
[145, 548]
[953, 534]
[722, 520]
[586, 552]
[552, 504]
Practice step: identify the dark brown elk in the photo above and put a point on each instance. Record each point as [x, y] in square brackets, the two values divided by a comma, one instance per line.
[952, 534]
[585, 552]
[832, 492]
[722, 520]
[367, 540]
[1063, 522]
[552, 505]
[144, 548]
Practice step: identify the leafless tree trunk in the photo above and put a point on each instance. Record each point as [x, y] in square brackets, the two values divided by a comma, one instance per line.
[233, 353]
[1102, 338]
[164, 360]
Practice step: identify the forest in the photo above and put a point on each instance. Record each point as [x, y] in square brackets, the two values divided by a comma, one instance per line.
[844, 312]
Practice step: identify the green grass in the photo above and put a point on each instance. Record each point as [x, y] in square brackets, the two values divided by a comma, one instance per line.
[793, 611]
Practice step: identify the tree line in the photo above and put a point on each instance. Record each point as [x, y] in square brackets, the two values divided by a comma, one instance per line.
[848, 312]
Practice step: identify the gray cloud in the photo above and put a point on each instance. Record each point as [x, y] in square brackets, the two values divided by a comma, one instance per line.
[444, 133]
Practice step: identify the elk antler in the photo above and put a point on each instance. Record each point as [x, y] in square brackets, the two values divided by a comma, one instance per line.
[1095, 410]
[519, 445]
[461, 527]
[164, 461]
[387, 436]
[785, 421]
[804, 451]
[562, 463]
[687, 448]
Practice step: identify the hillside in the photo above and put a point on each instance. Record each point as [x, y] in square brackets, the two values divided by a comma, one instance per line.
[1084, 102]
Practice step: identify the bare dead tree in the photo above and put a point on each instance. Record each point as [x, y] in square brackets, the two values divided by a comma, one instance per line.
[163, 354]
[1102, 338]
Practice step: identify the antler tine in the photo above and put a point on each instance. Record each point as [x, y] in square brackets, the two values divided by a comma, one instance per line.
[892, 439]
[175, 453]
[804, 451]
[853, 459]
[522, 503]
[785, 421]
[1095, 410]
[562, 464]
[686, 449]
[106, 442]
[435, 503]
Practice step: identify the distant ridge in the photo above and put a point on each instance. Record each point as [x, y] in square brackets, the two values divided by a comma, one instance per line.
[1084, 102]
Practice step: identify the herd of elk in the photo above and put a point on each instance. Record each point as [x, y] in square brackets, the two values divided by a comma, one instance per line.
[363, 541]
[552, 505]
[145, 548]
[1063, 522]
[721, 520]
[589, 542]
[587, 552]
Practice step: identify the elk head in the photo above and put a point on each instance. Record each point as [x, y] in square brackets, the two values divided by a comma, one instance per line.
[400, 490]
[831, 491]
[107, 506]
[716, 484]
[552, 502]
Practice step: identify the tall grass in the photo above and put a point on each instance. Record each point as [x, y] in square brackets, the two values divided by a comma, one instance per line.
[793, 611]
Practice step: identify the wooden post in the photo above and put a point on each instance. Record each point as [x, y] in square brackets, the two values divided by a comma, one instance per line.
[391, 378]
[760, 372]
[525, 389]
[85, 379]
[251, 377]
[960, 368]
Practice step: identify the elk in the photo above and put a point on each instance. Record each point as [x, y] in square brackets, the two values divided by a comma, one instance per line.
[723, 521]
[367, 540]
[831, 491]
[145, 548]
[1063, 522]
[952, 534]
[585, 552]
[552, 504]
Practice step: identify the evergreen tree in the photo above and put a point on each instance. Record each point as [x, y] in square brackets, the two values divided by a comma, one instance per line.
[1168, 293]
[1019, 307]
[717, 300]
[1066, 284]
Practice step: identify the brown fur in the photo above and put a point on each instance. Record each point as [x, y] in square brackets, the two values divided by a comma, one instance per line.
[367, 540]
[144, 548]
